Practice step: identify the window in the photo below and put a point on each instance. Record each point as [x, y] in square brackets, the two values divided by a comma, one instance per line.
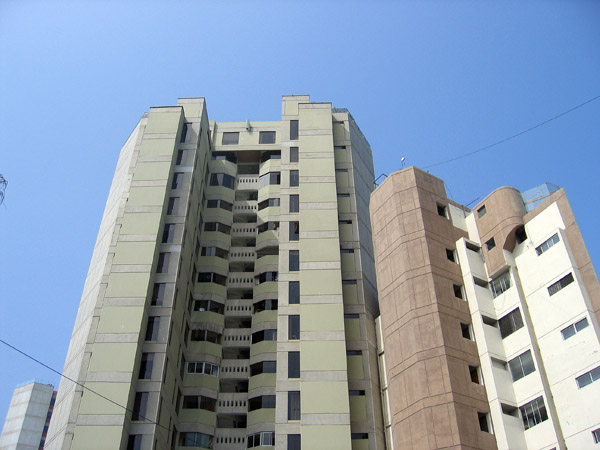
[152, 328]
[199, 402]
[267, 226]
[342, 195]
[230, 138]
[484, 422]
[211, 277]
[465, 330]
[547, 244]
[217, 226]
[520, 235]
[355, 393]
[214, 251]
[510, 323]
[168, 233]
[293, 327]
[203, 367]
[262, 401]
[173, 206]
[472, 247]
[209, 305]
[219, 204]
[475, 374]
[442, 210]
[481, 212]
[533, 413]
[588, 377]
[293, 130]
[268, 203]
[205, 336]
[134, 442]
[294, 178]
[595, 434]
[294, 292]
[294, 262]
[351, 316]
[293, 154]
[574, 328]
[158, 294]
[500, 284]
[146, 366]
[450, 255]
[266, 137]
[294, 442]
[346, 250]
[293, 405]
[265, 305]
[224, 156]
[563, 282]
[353, 352]
[294, 231]
[521, 366]
[163, 263]
[490, 244]
[222, 179]
[359, 435]
[263, 367]
[264, 335]
[139, 406]
[193, 439]
[269, 179]
[348, 282]
[179, 158]
[266, 156]
[264, 438]
[293, 364]
[458, 291]
[267, 276]
[294, 203]
[177, 180]
[489, 321]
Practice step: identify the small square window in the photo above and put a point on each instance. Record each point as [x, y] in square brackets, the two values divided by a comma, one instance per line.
[465, 329]
[450, 255]
[481, 211]
[266, 137]
[293, 154]
[490, 244]
[230, 138]
[442, 210]
[458, 291]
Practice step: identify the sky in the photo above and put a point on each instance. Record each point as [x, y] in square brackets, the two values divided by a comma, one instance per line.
[425, 80]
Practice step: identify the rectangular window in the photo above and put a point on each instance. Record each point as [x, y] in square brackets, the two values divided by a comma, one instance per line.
[152, 328]
[490, 244]
[294, 292]
[475, 374]
[177, 180]
[230, 138]
[547, 244]
[293, 364]
[450, 255]
[465, 330]
[133, 443]
[563, 282]
[219, 204]
[263, 367]
[294, 231]
[510, 323]
[168, 233]
[264, 335]
[574, 328]
[293, 130]
[222, 179]
[266, 137]
[262, 401]
[193, 439]
[595, 434]
[458, 291]
[158, 294]
[293, 327]
[268, 203]
[533, 413]
[294, 178]
[442, 210]
[163, 263]
[588, 377]
[173, 206]
[293, 154]
[179, 159]
[294, 442]
[269, 179]
[139, 406]
[500, 284]
[521, 366]
[184, 131]
[481, 211]
[472, 247]
[521, 235]
[294, 260]
[484, 422]
[294, 203]
[146, 366]
[199, 402]
[294, 405]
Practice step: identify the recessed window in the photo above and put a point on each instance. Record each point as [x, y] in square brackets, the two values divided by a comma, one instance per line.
[267, 226]
[294, 231]
[348, 282]
[588, 377]
[293, 442]
[294, 260]
[168, 233]
[520, 235]
[294, 203]
[158, 294]
[481, 211]
[533, 413]
[465, 329]
[179, 158]
[133, 443]
[346, 250]
[209, 306]
[500, 284]
[139, 406]
[442, 210]
[490, 244]
[230, 138]
[173, 206]
[472, 247]
[509, 410]
[359, 435]
[489, 321]
[450, 255]
[595, 435]
[353, 352]
[521, 366]
[560, 284]
[574, 328]
[351, 316]
[212, 277]
[475, 375]
[294, 292]
[217, 226]
[293, 364]
[263, 367]
[294, 178]
[146, 366]
[294, 406]
[163, 262]
[293, 130]
[222, 179]
[262, 401]
[293, 154]
[266, 137]
[202, 367]
[266, 277]
[293, 327]
[484, 422]
[458, 291]
[510, 323]
[214, 251]
[193, 439]
[177, 180]
[264, 335]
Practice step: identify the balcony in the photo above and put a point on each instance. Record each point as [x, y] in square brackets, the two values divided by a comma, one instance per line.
[208, 317]
[245, 207]
[221, 193]
[238, 308]
[232, 403]
[204, 347]
[246, 182]
[234, 369]
[267, 263]
[267, 238]
[198, 416]
[241, 254]
[243, 280]
[229, 439]
[268, 287]
[236, 337]
[243, 230]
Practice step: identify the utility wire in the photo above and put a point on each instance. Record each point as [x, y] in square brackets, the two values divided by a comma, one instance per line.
[514, 135]
[79, 384]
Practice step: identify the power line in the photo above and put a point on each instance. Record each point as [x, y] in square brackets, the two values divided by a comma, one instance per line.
[81, 385]
[514, 135]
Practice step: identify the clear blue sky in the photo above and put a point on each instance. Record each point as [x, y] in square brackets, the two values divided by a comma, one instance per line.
[425, 80]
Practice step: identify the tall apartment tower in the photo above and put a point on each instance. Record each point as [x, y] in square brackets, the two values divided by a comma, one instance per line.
[231, 297]
[488, 334]
[28, 417]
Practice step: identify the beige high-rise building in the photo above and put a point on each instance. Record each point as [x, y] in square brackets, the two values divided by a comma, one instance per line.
[231, 296]
[489, 334]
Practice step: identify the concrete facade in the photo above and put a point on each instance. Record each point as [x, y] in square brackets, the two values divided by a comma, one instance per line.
[28, 417]
[489, 331]
[231, 297]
